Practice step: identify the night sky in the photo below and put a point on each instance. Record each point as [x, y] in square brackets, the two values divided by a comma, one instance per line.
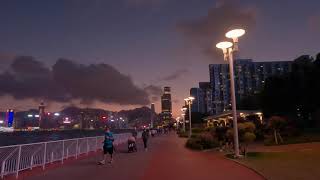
[143, 45]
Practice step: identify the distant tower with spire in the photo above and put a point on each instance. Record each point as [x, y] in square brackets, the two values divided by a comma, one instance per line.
[41, 113]
[153, 111]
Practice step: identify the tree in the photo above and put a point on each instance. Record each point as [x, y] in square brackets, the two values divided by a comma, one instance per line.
[295, 94]
[277, 123]
[246, 134]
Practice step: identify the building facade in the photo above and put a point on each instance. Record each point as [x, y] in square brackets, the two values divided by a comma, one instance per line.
[207, 96]
[197, 103]
[166, 104]
[249, 80]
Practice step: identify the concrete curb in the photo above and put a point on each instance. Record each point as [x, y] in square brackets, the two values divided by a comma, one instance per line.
[246, 166]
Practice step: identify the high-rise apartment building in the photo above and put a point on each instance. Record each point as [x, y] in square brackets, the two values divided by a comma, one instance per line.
[206, 98]
[197, 103]
[249, 80]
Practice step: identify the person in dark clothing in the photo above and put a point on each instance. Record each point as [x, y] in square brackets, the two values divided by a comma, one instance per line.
[145, 137]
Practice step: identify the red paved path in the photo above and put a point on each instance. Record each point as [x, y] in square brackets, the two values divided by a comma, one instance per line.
[166, 159]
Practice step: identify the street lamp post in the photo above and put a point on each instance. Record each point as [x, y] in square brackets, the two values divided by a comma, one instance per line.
[189, 102]
[177, 122]
[228, 48]
[184, 119]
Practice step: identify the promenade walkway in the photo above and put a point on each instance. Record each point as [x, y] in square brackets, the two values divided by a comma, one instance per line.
[166, 159]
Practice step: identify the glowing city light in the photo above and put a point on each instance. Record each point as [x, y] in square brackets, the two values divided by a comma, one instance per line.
[30, 115]
[37, 115]
[1, 121]
[56, 114]
[66, 122]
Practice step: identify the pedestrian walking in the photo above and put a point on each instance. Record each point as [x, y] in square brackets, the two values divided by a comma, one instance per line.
[145, 137]
[107, 146]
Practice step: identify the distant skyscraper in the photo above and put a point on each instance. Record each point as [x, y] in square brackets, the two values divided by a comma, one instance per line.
[41, 113]
[166, 104]
[153, 111]
[249, 80]
[10, 118]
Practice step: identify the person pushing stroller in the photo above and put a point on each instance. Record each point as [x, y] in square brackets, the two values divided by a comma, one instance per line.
[132, 146]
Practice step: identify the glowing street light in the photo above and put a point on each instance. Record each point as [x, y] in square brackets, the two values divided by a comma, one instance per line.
[225, 45]
[234, 35]
[66, 120]
[228, 49]
[184, 109]
[189, 102]
[177, 122]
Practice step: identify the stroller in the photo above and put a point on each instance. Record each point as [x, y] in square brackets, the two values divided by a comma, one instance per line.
[132, 146]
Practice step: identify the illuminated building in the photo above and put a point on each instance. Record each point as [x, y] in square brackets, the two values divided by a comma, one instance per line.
[166, 104]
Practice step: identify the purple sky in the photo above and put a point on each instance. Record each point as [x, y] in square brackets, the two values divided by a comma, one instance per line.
[155, 42]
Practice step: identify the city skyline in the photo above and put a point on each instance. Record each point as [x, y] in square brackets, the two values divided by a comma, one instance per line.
[169, 39]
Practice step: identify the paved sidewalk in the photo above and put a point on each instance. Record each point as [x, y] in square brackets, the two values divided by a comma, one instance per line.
[166, 159]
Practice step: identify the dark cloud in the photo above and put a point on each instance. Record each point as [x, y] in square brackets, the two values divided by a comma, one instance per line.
[27, 78]
[154, 91]
[5, 61]
[207, 30]
[139, 3]
[175, 75]
[314, 23]
[67, 80]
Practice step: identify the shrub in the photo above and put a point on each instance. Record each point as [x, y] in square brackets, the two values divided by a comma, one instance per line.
[203, 141]
[197, 130]
[249, 137]
[183, 134]
[194, 143]
[249, 126]
[194, 135]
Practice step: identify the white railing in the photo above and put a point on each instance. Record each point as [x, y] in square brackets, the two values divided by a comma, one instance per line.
[16, 158]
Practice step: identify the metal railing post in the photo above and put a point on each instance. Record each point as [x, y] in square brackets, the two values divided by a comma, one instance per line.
[87, 146]
[2, 169]
[31, 163]
[67, 153]
[18, 162]
[62, 152]
[77, 148]
[96, 148]
[44, 156]
[51, 159]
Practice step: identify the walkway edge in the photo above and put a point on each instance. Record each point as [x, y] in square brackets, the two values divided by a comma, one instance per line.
[248, 167]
